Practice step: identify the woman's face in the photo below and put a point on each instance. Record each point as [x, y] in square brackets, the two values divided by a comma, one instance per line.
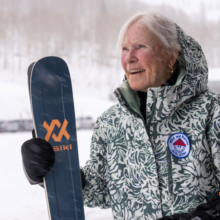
[144, 59]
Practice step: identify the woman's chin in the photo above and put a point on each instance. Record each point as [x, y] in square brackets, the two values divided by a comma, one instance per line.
[138, 88]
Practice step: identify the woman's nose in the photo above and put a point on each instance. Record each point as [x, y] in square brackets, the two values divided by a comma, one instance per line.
[131, 57]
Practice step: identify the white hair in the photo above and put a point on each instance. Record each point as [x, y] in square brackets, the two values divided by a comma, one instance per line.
[163, 27]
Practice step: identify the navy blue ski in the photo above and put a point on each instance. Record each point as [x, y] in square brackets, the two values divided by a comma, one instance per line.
[54, 120]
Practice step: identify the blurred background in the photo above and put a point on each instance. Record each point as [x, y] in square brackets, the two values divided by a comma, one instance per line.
[84, 34]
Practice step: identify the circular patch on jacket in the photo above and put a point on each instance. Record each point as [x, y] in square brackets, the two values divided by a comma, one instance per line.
[179, 145]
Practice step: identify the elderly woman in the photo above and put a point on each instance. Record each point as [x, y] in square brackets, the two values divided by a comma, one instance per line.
[156, 153]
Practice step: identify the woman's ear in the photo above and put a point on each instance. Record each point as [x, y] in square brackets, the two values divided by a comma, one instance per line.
[173, 58]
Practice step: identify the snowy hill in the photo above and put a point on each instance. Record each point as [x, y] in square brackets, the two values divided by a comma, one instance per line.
[15, 103]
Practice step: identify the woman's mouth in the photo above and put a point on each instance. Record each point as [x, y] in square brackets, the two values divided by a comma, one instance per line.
[136, 71]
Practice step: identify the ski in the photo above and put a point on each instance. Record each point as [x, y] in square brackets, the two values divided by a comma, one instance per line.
[52, 105]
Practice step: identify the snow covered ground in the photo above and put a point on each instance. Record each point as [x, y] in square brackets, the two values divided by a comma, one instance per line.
[18, 199]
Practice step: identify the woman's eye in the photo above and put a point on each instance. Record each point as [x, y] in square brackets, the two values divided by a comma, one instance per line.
[124, 48]
[141, 46]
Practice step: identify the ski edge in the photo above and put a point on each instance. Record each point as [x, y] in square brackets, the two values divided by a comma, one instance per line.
[35, 130]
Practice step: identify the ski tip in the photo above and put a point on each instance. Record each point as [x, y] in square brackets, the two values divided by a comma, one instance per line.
[52, 59]
[30, 68]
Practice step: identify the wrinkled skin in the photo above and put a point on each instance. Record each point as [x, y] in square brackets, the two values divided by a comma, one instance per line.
[142, 50]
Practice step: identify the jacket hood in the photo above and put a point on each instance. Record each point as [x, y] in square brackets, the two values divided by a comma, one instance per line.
[196, 64]
[190, 82]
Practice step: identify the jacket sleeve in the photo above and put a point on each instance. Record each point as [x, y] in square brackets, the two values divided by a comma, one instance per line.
[213, 134]
[96, 191]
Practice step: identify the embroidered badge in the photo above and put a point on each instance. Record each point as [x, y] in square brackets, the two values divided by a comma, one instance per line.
[179, 145]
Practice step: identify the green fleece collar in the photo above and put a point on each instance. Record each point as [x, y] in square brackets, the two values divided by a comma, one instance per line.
[180, 77]
[131, 97]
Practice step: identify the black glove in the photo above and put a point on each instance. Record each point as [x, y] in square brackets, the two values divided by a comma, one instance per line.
[38, 158]
[209, 210]
[205, 211]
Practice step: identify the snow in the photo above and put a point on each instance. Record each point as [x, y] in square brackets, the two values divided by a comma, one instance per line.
[20, 200]
[16, 104]
[214, 74]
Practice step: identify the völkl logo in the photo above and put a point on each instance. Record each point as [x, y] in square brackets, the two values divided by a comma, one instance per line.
[50, 129]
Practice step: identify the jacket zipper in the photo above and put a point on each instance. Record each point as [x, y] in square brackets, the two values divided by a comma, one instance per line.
[170, 177]
[169, 162]
[151, 117]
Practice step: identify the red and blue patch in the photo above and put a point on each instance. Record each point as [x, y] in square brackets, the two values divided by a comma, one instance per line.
[179, 145]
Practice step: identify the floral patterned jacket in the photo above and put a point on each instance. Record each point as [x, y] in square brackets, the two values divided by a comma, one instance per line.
[131, 168]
